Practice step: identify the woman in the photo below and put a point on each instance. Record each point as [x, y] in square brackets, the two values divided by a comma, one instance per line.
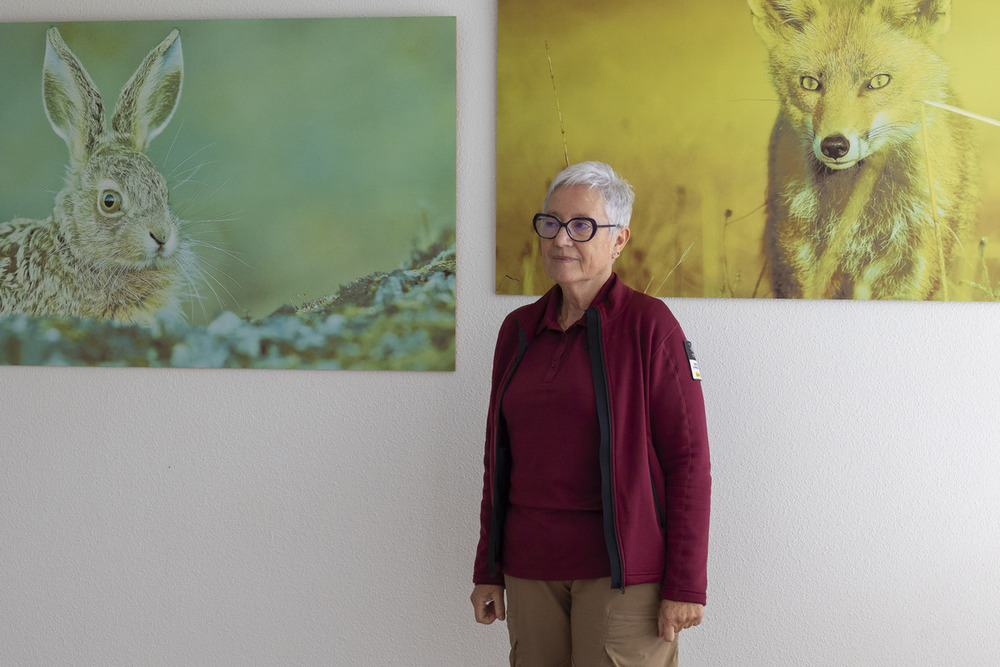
[596, 492]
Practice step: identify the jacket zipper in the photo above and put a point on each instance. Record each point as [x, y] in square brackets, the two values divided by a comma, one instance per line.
[601, 393]
[493, 555]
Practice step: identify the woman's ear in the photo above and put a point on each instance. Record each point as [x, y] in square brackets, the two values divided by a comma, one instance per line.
[621, 239]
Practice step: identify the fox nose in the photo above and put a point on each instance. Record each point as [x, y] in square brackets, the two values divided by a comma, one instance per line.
[835, 146]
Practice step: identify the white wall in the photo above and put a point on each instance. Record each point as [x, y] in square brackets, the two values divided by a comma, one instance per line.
[183, 517]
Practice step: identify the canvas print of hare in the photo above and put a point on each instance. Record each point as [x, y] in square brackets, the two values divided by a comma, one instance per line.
[279, 195]
[111, 249]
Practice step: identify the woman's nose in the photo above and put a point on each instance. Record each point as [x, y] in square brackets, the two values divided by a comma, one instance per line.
[562, 237]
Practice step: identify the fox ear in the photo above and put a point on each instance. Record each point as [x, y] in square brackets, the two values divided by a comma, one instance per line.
[72, 102]
[922, 19]
[774, 20]
[148, 100]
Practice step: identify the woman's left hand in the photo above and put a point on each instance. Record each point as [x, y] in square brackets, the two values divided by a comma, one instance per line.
[676, 616]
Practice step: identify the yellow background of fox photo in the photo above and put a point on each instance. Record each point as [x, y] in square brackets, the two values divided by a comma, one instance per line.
[676, 96]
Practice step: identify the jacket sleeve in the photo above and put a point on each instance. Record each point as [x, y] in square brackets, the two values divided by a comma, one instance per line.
[501, 358]
[680, 438]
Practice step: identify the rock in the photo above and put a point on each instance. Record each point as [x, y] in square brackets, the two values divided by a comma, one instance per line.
[404, 320]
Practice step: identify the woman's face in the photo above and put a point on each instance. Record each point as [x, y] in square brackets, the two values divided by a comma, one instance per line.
[574, 263]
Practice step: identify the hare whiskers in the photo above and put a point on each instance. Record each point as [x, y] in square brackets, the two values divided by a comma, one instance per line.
[37, 180]
[217, 266]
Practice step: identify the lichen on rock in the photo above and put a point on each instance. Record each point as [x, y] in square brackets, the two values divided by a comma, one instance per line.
[402, 320]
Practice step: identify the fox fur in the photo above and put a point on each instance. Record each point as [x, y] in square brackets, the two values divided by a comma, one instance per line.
[849, 206]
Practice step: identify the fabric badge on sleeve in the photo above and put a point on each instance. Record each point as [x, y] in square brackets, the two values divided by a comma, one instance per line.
[689, 351]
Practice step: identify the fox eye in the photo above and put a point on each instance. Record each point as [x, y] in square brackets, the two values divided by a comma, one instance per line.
[880, 81]
[110, 201]
[809, 83]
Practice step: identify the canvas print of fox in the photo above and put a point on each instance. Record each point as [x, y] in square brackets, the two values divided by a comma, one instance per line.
[849, 206]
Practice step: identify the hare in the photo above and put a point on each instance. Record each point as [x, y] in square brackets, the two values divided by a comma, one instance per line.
[112, 249]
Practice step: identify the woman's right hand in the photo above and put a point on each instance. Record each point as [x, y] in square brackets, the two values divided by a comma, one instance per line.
[487, 600]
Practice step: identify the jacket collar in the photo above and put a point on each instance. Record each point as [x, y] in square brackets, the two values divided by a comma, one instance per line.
[610, 302]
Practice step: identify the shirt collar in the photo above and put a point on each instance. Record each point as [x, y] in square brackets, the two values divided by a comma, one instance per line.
[550, 318]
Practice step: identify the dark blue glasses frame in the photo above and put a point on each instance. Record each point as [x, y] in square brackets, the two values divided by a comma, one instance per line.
[579, 229]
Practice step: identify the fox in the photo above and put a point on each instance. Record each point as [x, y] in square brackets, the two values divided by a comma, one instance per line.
[856, 208]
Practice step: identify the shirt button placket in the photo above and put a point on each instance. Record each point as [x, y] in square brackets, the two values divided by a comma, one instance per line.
[556, 358]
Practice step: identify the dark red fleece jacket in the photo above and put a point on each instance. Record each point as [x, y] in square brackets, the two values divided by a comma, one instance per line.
[656, 478]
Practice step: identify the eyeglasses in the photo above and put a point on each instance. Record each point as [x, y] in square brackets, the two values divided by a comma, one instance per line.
[579, 229]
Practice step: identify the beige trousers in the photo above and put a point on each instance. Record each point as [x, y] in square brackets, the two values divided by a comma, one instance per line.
[585, 623]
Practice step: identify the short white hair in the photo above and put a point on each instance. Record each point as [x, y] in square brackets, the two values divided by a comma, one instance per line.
[615, 190]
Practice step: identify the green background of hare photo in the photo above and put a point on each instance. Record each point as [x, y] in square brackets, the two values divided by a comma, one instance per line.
[305, 154]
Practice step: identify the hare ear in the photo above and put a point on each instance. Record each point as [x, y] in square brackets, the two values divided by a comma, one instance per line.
[72, 102]
[150, 97]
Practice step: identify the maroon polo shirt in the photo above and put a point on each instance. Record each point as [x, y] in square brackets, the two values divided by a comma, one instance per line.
[554, 528]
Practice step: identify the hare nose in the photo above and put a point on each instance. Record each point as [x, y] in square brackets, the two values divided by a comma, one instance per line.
[155, 237]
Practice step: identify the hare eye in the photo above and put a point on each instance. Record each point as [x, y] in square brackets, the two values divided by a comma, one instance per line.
[111, 201]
